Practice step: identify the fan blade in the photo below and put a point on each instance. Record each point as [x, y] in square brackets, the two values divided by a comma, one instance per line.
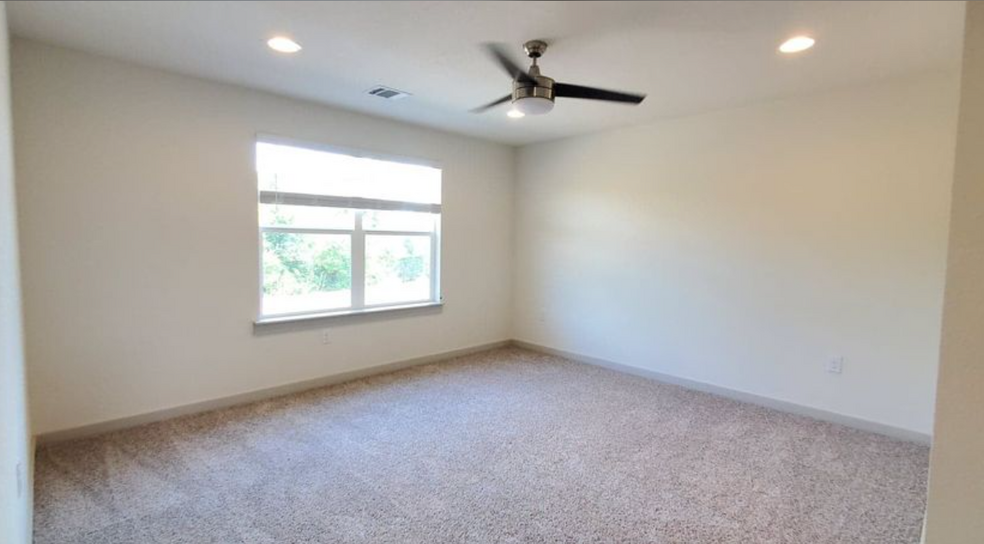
[591, 93]
[492, 104]
[514, 70]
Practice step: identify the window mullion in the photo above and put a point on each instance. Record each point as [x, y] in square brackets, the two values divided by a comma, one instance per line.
[358, 263]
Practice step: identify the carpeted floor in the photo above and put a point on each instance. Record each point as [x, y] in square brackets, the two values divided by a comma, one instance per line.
[503, 446]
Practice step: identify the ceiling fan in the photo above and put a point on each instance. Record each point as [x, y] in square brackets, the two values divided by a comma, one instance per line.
[534, 94]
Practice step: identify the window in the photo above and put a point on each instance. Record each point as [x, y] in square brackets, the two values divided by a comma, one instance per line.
[344, 233]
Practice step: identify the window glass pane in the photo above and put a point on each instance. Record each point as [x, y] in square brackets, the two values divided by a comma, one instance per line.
[397, 269]
[308, 217]
[300, 170]
[306, 272]
[390, 220]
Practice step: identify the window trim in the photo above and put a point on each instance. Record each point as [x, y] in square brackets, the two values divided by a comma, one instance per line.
[357, 235]
[274, 320]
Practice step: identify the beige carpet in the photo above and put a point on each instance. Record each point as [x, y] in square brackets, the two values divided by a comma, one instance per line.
[504, 446]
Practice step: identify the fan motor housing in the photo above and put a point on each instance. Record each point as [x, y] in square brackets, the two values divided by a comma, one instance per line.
[542, 89]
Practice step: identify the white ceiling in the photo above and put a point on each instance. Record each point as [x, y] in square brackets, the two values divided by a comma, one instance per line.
[688, 56]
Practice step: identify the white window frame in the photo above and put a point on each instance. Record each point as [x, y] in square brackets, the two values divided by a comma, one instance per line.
[357, 235]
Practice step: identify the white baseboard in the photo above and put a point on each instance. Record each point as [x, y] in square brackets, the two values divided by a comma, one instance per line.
[742, 396]
[253, 396]
[268, 393]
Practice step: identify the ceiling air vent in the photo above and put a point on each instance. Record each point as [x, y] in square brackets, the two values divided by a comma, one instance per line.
[387, 93]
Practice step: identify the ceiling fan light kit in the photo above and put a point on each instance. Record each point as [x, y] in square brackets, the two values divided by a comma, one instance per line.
[534, 93]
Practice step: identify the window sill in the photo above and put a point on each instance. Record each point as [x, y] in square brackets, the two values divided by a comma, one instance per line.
[274, 320]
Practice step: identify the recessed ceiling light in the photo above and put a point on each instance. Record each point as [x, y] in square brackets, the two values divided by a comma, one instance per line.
[283, 44]
[797, 44]
[515, 114]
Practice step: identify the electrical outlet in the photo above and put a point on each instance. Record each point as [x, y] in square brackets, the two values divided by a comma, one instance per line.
[325, 338]
[835, 365]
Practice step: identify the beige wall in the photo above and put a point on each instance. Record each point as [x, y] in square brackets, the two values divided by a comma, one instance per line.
[955, 512]
[745, 248]
[15, 484]
[138, 218]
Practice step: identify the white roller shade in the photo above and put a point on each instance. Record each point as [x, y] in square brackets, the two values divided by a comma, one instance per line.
[303, 199]
[307, 176]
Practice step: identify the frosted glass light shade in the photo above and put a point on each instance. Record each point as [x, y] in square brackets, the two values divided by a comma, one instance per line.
[534, 105]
